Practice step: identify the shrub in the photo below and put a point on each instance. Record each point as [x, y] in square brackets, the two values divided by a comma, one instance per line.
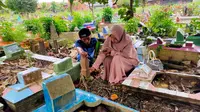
[87, 18]
[132, 25]
[46, 23]
[161, 24]
[107, 14]
[9, 33]
[78, 20]
[34, 25]
[61, 25]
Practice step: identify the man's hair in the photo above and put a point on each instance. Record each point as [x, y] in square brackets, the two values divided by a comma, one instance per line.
[84, 33]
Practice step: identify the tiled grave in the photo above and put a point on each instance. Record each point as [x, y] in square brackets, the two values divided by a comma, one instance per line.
[60, 66]
[27, 94]
[141, 78]
[185, 52]
[12, 51]
[61, 95]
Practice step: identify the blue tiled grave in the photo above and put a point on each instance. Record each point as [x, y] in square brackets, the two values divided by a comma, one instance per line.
[27, 94]
[61, 96]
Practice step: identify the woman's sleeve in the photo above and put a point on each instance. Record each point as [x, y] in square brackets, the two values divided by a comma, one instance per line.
[99, 60]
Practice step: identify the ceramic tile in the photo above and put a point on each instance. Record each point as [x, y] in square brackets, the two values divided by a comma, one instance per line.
[14, 96]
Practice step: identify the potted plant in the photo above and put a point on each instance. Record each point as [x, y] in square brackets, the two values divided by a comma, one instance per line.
[107, 14]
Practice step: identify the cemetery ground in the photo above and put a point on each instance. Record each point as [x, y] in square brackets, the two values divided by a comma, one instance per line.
[50, 37]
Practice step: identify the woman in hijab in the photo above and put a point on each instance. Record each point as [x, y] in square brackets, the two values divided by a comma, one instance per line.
[118, 56]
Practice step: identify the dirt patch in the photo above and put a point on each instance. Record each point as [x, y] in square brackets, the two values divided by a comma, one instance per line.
[177, 83]
[139, 101]
[63, 52]
[100, 108]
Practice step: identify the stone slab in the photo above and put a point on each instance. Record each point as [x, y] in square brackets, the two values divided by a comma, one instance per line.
[62, 65]
[58, 91]
[27, 104]
[45, 58]
[74, 72]
[13, 51]
[29, 76]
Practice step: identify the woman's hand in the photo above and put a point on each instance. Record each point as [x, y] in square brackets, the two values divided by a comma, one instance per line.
[107, 51]
[92, 69]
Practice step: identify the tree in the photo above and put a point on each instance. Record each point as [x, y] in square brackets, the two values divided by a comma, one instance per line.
[143, 4]
[71, 5]
[127, 12]
[2, 5]
[53, 6]
[44, 6]
[92, 2]
[22, 6]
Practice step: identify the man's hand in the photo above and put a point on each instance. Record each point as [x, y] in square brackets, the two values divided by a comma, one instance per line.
[83, 53]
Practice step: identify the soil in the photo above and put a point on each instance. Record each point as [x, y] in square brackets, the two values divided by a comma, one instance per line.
[139, 101]
[63, 52]
[9, 70]
[177, 83]
[100, 108]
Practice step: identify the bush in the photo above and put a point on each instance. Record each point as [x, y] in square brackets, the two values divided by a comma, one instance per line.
[78, 20]
[132, 25]
[46, 23]
[34, 25]
[107, 14]
[61, 25]
[87, 18]
[9, 33]
[161, 24]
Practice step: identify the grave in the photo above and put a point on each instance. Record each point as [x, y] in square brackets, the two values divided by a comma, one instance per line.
[90, 25]
[145, 84]
[27, 94]
[61, 95]
[13, 51]
[195, 39]
[61, 66]
[185, 52]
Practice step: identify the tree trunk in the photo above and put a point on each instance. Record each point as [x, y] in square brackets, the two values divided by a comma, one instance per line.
[131, 8]
[71, 6]
[92, 9]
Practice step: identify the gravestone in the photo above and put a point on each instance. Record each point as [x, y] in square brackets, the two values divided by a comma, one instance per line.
[58, 92]
[85, 66]
[62, 65]
[54, 34]
[144, 73]
[180, 36]
[27, 94]
[13, 51]
[29, 76]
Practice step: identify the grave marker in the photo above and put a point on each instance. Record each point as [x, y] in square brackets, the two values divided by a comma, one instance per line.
[29, 76]
[13, 51]
[180, 36]
[63, 65]
[85, 66]
[58, 92]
